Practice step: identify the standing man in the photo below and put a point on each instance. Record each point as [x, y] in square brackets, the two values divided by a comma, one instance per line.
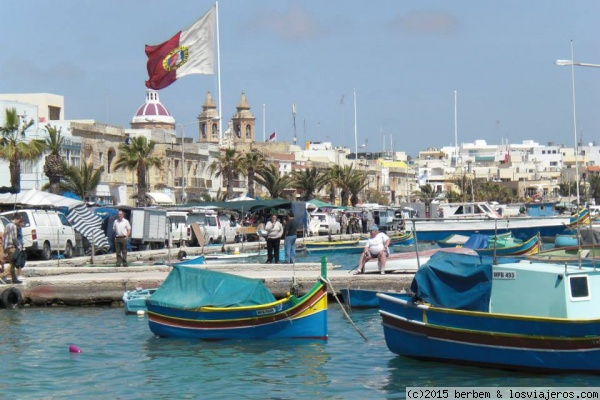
[274, 231]
[122, 230]
[364, 218]
[11, 246]
[289, 239]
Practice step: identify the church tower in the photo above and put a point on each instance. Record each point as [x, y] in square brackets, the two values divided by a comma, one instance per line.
[208, 121]
[243, 122]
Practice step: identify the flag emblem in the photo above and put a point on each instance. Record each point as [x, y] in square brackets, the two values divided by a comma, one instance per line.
[176, 58]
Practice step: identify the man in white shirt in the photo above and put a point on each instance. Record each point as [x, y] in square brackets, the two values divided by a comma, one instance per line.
[122, 230]
[376, 247]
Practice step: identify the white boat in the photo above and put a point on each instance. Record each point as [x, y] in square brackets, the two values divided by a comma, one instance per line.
[469, 218]
[408, 262]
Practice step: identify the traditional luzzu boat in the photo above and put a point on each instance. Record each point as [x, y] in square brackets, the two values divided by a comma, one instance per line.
[409, 262]
[202, 304]
[504, 245]
[470, 218]
[511, 315]
[331, 243]
[365, 298]
[396, 239]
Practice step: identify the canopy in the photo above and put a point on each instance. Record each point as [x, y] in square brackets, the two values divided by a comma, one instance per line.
[77, 213]
[159, 198]
[243, 205]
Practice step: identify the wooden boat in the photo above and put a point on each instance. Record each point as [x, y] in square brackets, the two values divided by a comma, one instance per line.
[508, 246]
[202, 304]
[456, 240]
[198, 260]
[365, 298]
[512, 315]
[396, 239]
[587, 254]
[135, 300]
[356, 249]
[408, 262]
[331, 243]
[565, 240]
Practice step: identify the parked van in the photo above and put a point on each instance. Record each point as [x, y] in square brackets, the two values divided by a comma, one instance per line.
[213, 225]
[179, 232]
[45, 232]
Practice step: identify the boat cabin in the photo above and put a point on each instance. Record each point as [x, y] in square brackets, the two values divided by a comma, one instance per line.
[476, 210]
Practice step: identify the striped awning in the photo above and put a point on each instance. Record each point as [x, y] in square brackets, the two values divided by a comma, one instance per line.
[89, 225]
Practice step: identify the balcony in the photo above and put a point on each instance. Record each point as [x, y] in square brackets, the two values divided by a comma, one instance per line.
[200, 183]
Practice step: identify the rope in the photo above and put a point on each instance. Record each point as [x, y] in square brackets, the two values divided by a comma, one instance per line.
[344, 310]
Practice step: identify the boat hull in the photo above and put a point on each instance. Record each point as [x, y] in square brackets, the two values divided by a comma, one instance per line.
[290, 318]
[135, 300]
[364, 298]
[495, 340]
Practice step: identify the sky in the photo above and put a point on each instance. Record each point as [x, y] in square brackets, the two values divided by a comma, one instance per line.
[378, 74]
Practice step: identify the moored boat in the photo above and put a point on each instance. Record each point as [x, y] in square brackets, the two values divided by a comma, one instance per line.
[135, 300]
[512, 315]
[409, 262]
[202, 304]
[365, 298]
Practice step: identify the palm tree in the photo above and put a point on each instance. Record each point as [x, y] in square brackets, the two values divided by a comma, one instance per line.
[54, 167]
[594, 182]
[228, 166]
[250, 163]
[334, 180]
[356, 182]
[15, 149]
[137, 156]
[348, 174]
[81, 180]
[274, 182]
[309, 180]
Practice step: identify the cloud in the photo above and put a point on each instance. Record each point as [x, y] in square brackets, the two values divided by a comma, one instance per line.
[426, 23]
[295, 24]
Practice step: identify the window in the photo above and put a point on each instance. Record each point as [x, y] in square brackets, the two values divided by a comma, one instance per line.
[111, 156]
[579, 287]
[63, 219]
[248, 131]
[53, 113]
[203, 130]
[214, 131]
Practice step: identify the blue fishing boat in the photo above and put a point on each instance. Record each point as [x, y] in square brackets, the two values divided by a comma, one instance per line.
[135, 300]
[510, 315]
[202, 304]
[365, 298]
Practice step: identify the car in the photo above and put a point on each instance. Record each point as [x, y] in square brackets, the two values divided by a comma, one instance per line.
[45, 232]
[324, 224]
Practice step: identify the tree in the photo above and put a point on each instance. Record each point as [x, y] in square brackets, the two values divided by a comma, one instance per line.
[348, 175]
[227, 165]
[594, 182]
[15, 149]
[137, 156]
[81, 180]
[273, 181]
[54, 166]
[309, 181]
[250, 163]
[334, 179]
[356, 181]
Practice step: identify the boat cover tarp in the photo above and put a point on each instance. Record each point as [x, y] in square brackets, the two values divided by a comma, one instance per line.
[456, 281]
[191, 288]
[476, 241]
[590, 236]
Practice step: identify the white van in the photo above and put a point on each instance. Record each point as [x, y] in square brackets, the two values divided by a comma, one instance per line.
[213, 226]
[45, 232]
[179, 232]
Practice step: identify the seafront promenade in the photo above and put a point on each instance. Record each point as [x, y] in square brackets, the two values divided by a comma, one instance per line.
[78, 282]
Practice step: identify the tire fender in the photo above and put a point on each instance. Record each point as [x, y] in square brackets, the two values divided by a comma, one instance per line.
[12, 298]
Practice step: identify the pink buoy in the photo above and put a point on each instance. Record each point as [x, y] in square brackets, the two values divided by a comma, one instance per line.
[74, 349]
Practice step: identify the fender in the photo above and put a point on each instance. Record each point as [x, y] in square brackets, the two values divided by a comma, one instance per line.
[12, 298]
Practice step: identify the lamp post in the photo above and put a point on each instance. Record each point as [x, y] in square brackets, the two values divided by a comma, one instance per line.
[572, 64]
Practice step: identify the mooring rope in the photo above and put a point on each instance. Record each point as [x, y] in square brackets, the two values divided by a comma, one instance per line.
[344, 310]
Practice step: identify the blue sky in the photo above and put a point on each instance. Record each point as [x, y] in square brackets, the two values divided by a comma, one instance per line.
[404, 58]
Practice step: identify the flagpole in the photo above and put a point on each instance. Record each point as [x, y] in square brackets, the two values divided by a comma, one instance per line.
[355, 131]
[219, 75]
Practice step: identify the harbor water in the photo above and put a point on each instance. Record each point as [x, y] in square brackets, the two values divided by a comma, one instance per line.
[121, 359]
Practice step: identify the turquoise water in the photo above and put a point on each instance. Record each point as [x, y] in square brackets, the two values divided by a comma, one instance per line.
[121, 359]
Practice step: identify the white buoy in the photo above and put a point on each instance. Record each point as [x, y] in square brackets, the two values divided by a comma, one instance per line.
[141, 313]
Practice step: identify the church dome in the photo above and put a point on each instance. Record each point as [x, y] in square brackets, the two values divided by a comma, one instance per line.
[152, 111]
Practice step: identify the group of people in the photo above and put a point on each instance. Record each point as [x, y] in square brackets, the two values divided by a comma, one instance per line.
[277, 230]
[13, 250]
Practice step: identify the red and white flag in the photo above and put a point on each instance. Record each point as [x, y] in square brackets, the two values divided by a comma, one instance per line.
[271, 138]
[190, 51]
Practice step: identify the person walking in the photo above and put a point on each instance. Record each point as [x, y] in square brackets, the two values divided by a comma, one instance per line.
[344, 223]
[122, 230]
[274, 231]
[376, 247]
[290, 232]
[12, 248]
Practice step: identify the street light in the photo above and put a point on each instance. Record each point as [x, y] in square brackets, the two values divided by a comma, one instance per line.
[572, 64]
